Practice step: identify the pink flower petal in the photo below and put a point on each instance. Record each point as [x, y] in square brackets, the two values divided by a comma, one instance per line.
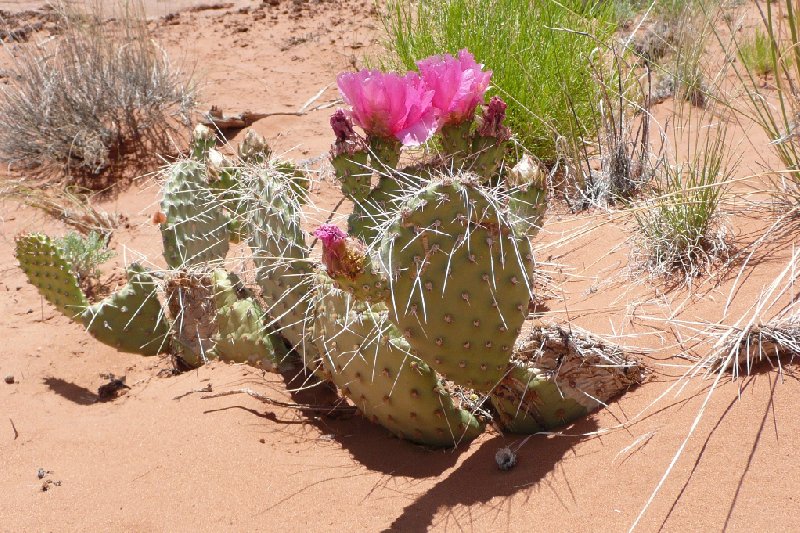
[389, 105]
[459, 85]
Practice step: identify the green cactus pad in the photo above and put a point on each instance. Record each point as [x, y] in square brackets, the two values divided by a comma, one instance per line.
[370, 362]
[131, 319]
[47, 269]
[203, 140]
[384, 153]
[242, 336]
[354, 174]
[460, 292]
[457, 142]
[527, 205]
[559, 375]
[375, 209]
[487, 156]
[254, 148]
[196, 229]
[529, 401]
[280, 254]
[296, 177]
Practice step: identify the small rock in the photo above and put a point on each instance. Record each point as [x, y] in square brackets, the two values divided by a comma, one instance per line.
[506, 459]
[9, 379]
[41, 473]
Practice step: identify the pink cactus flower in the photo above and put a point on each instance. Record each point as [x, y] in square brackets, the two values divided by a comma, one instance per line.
[459, 84]
[390, 105]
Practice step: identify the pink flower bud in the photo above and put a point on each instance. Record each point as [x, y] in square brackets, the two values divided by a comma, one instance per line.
[342, 255]
[347, 140]
[342, 127]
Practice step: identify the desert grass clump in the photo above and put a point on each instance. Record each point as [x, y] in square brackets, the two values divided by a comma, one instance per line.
[539, 52]
[65, 204]
[615, 161]
[680, 230]
[100, 90]
[775, 109]
[85, 254]
[756, 53]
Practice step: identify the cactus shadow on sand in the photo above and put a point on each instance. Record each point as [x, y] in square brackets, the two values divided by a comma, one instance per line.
[370, 444]
[478, 480]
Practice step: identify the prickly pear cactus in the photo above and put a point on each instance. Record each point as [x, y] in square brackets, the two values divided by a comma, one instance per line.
[47, 269]
[281, 255]
[131, 319]
[196, 227]
[458, 280]
[371, 363]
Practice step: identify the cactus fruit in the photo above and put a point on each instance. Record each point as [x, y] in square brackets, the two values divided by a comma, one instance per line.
[558, 376]
[131, 319]
[371, 363]
[48, 270]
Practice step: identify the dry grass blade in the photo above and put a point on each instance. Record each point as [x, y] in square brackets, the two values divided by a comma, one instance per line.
[74, 210]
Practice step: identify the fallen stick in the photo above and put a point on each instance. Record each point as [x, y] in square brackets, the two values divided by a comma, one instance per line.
[278, 403]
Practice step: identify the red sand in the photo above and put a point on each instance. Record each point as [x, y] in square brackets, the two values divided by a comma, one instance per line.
[150, 462]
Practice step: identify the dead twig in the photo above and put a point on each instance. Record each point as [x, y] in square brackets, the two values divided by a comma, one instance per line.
[207, 388]
[278, 403]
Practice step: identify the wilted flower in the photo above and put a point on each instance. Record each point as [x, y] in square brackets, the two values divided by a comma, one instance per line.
[347, 140]
[341, 254]
[389, 105]
[458, 85]
[491, 124]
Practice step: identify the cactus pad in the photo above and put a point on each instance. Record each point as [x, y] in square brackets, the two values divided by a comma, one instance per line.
[196, 229]
[242, 336]
[371, 363]
[131, 319]
[280, 254]
[47, 269]
[459, 281]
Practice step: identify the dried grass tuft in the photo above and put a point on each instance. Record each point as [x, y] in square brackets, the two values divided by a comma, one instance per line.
[100, 90]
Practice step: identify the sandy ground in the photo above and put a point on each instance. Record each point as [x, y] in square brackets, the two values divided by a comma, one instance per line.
[157, 459]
